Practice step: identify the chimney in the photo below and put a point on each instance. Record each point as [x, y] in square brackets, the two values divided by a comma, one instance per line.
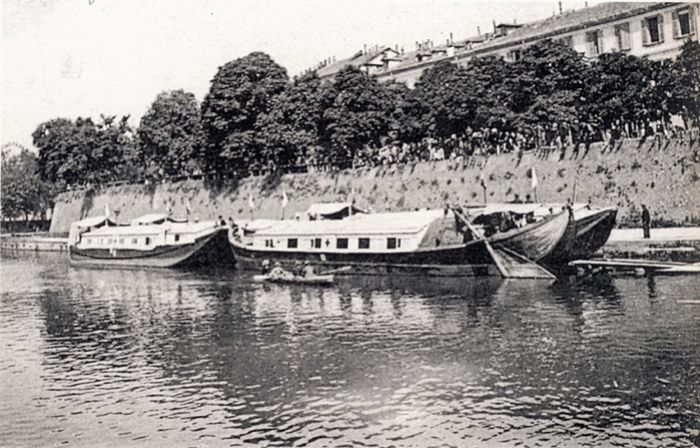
[478, 30]
[451, 40]
[365, 52]
[494, 27]
[560, 11]
[401, 50]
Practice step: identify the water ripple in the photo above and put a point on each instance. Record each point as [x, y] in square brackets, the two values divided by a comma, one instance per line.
[163, 358]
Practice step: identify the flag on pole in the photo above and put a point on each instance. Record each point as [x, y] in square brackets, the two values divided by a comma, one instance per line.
[251, 204]
[188, 208]
[482, 181]
[534, 178]
[285, 199]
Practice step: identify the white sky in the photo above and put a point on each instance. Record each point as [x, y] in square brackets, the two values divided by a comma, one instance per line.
[71, 58]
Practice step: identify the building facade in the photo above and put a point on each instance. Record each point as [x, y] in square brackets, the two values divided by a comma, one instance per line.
[655, 30]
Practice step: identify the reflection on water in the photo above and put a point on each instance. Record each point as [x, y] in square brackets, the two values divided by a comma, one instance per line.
[172, 358]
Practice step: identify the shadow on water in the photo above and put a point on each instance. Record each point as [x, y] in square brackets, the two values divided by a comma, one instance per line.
[176, 355]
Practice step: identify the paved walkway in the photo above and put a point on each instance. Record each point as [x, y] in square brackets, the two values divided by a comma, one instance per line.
[657, 235]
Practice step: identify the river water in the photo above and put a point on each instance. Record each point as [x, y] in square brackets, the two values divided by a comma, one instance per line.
[172, 358]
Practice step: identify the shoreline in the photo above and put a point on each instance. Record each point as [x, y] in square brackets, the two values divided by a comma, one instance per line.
[666, 244]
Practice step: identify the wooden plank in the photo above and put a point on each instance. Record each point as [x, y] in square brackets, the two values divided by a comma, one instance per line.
[649, 265]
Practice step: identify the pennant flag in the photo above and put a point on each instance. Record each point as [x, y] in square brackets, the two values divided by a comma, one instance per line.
[187, 206]
[482, 181]
[251, 204]
[285, 199]
[107, 210]
[534, 178]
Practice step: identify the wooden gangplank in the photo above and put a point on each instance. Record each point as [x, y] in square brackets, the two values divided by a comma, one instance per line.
[637, 265]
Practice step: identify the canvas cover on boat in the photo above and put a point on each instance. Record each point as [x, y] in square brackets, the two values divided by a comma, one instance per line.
[335, 210]
[362, 224]
[84, 224]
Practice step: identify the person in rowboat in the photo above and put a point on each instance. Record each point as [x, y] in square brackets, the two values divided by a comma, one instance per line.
[278, 272]
[308, 270]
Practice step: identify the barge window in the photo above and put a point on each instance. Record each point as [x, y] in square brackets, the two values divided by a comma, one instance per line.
[291, 243]
[317, 243]
[341, 243]
[121, 240]
[391, 243]
[177, 238]
[134, 240]
[148, 241]
[363, 243]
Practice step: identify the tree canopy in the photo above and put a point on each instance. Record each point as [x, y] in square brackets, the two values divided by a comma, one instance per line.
[23, 192]
[170, 135]
[240, 92]
[253, 118]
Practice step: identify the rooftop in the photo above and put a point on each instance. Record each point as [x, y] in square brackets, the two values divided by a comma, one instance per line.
[521, 33]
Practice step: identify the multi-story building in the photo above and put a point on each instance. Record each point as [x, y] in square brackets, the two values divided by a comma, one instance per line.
[655, 30]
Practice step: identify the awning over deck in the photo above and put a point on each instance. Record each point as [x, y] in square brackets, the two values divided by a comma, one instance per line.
[334, 210]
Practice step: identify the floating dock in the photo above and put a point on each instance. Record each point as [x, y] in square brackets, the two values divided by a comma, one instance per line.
[635, 266]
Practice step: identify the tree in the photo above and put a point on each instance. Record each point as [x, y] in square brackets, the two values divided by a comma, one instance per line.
[240, 92]
[289, 131]
[23, 192]
[358, 112]
[686, 97]
[82, 152]
[545, 87]
[170, 135]
[445, 100]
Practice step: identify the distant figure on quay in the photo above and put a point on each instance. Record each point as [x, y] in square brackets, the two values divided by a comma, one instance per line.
[646, 221]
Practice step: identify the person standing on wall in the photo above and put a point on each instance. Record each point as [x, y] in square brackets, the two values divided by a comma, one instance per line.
[646, 221]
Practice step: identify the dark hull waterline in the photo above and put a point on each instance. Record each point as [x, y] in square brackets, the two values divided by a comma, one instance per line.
[208, 250]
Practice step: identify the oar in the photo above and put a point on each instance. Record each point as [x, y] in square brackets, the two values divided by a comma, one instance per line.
[334, 271]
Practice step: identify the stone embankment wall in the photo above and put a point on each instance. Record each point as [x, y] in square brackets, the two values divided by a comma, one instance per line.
[663, 174]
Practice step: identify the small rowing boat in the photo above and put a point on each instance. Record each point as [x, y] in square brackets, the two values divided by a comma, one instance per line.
[315, 280]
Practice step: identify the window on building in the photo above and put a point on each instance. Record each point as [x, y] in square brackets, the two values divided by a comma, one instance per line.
[595, 42]
[363, 243]
[622, 33]
[682, 23]
[292, 243]
[514, 55]
[653, 30]
[391, 243]
[317, 243]
[341, 243]
[566, 41]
